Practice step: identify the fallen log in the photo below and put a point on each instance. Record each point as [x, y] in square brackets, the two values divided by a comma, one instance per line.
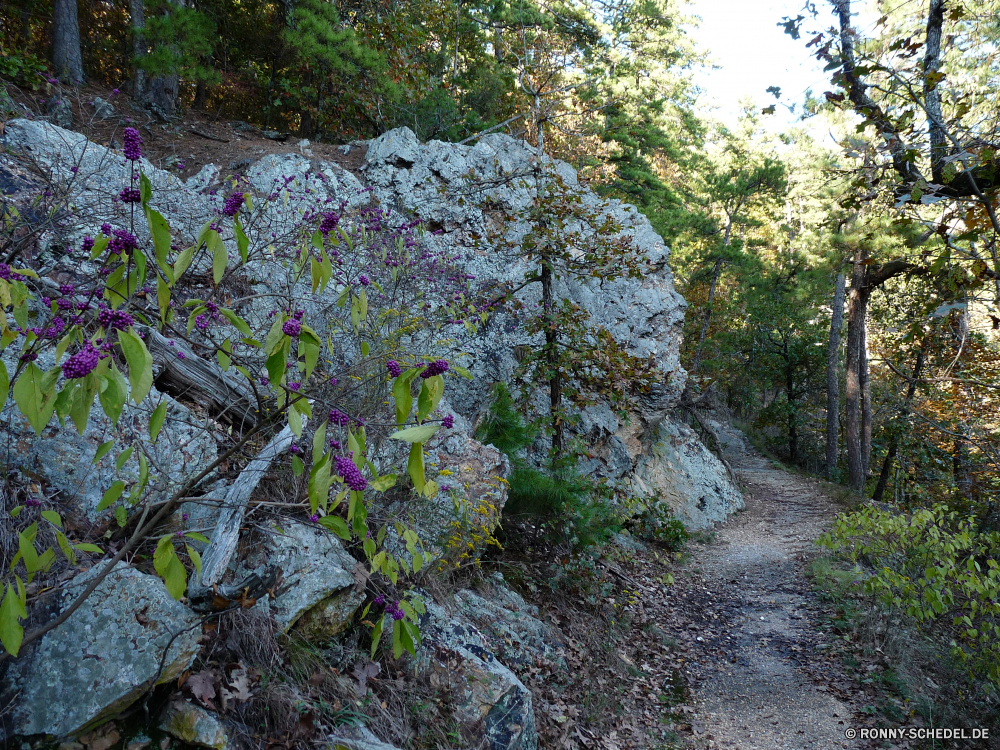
[186, 376]
[220, 550]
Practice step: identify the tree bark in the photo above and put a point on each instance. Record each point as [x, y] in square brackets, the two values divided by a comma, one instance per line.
[703, 334]
[552, 360]
[856, 310]
[67, 59]
[890, 456]
[161, 93]
[793, 431]
[866, 393]
[833, 378]
[138, 13]
[932, 92]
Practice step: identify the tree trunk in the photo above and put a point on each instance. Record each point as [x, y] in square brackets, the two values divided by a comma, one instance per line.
[866, 394]
[552, 360]
[67, 59]
[856, 311]
[890, 456]
[716, 273]
[161, 92]
[138, 13]
[793, 431]
[833, 378]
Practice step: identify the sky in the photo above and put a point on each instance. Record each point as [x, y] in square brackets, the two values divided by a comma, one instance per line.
[754, 53]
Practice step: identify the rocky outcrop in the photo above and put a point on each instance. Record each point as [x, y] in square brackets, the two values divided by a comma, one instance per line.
[489, 699]
[128, 636]
[682, 473]
[194, 725]
[461, 193]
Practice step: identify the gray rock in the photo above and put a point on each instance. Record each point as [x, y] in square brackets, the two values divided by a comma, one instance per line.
[514, 634]
[194, 725]
[103, 110]
[356, 738]
[60, 111]
[684, 475]
[63, 456]
[316, 571]
[331, 616]
[488, 695]
[104, 657]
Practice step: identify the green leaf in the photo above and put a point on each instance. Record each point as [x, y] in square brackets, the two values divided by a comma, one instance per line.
[160, 232]
[319, 483]
[224, 355]
[35, 402]
[12, 611]
[111, 495]
[462, 371]
[156, 421]
[89, 548]
[197, 537]
[376, 635]
[4, 384]
[236, 320]
[295, 422]
[274, 336]
[418, 562]
[83, 400]
[242, 241]
[365, 348]
[319, 443]
[276, 366]
[419, 434]
[169, 567]
[297, 466]
[195, 557]
[140, 364]
[145, 189]
[337, 525]
[52, 517]
[66, 547]
[397, 641]
[431, 392]
[401, 393]
[162, 297]
[220, 258]
[415, 466]
[121, 516]
[124, 456]
[383, 483]
[183, 262]
[114, 393]
[102, 450]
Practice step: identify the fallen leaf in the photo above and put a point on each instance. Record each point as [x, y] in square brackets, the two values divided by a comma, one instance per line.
[202, 686]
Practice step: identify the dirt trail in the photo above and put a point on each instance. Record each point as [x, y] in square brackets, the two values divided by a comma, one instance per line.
[760, 681]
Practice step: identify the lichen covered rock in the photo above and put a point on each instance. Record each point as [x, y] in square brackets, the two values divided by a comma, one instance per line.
[103, 658]
[194, 725]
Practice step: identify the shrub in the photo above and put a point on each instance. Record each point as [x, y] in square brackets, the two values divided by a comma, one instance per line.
[934, 565]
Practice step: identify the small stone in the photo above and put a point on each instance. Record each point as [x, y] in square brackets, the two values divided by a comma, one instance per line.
[60, 111]
[102, 738]
[103, 110]
[139, 743]
[194, 725]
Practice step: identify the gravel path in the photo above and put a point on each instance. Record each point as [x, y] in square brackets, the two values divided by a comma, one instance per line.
[760, 681]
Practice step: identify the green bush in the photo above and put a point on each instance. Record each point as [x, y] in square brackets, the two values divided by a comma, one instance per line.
[571, 506]
[657, 525]
[932, 565]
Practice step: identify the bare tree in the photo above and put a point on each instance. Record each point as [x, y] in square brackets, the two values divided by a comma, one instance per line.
[833, 378]
[66, 56]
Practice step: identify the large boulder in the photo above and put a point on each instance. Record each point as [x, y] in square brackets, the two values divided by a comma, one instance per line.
[318, 577]
[489, 698]
[128, 636]
[680, 472]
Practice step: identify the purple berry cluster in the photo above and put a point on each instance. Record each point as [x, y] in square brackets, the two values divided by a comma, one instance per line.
[130, 195]
[82, 363]
[133, 144]
[338, 418]
[88, 244]
[437, 367]
[394, 611]
[291, 328]
[393, 367]
[7, 274]
[329, 222]
[448, 422]
[113, 320]
[233, 204]
[122, 241]
[353, 478]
